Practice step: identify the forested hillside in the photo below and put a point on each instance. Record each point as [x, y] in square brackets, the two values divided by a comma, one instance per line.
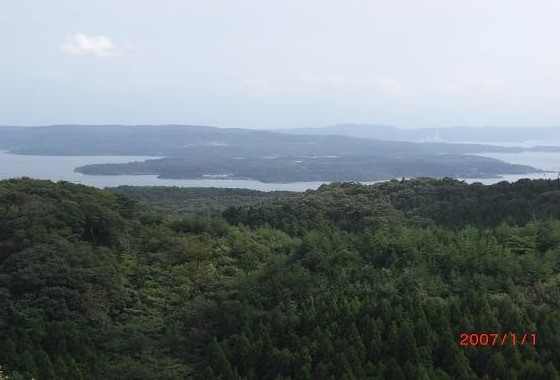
[197, 200]
[346, 282]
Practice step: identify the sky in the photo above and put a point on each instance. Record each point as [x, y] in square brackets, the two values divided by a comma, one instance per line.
[280, 64]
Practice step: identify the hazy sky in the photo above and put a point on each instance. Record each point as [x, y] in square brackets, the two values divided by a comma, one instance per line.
[282, 63]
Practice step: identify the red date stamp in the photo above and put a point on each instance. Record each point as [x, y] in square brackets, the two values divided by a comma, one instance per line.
[497, 339]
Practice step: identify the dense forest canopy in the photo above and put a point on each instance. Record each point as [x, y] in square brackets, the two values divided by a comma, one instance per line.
[345, 282]
[197, 200]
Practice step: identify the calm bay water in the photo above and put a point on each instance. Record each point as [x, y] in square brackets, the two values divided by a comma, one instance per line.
[548, 161]
[62, 168]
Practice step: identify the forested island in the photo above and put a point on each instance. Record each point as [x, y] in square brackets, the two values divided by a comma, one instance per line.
[346, 282]
[199, 152]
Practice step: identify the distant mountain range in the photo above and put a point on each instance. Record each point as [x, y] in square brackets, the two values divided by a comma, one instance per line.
[210, 152]
[537, 135]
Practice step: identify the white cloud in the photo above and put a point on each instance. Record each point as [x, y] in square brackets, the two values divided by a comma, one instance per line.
[83, 45]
